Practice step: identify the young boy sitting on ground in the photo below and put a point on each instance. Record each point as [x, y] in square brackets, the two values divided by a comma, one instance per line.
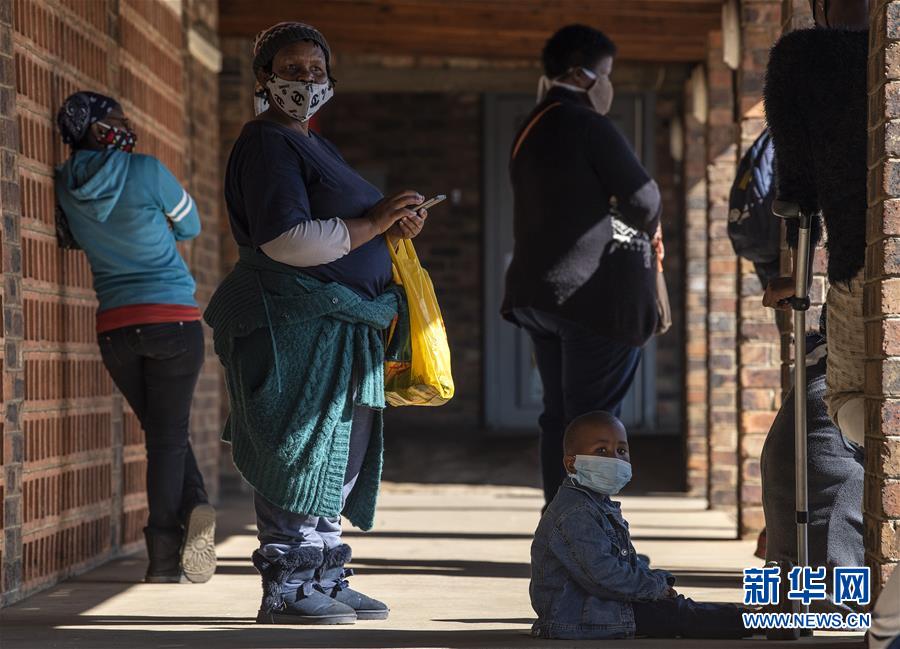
[587, 582]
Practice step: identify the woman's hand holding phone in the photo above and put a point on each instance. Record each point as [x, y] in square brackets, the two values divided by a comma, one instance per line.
[409, 227]
[388, 211]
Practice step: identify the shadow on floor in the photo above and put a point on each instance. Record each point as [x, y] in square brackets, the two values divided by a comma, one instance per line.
[478, 569]
[658, 461]
[233, 635]
[691, 578]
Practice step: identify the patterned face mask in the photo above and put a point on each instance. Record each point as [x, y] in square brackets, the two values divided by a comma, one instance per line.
[114, 137]
[299, 99]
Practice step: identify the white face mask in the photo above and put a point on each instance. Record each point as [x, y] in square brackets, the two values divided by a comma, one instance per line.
[605, 475]
[600, 95]
[299, 100]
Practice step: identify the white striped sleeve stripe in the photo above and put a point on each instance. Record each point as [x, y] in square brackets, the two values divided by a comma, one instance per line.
[185, 211]
[185, 198]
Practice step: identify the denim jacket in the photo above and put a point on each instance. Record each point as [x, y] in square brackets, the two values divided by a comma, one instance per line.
[585, 571]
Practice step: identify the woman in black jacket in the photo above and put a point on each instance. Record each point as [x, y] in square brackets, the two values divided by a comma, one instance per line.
[581, 282]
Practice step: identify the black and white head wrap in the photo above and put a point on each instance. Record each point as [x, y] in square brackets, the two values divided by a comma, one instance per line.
[81, 110]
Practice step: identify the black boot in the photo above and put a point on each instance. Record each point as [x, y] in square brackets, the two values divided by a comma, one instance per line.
[198, 554]
[332, 578]
[306, 604]
[164, 551]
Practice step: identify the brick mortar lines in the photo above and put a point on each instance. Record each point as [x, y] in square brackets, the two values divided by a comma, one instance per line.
[722, 286]
[881, 509]
[127, 509]
[13, 361]
[30, 46]
[201, 112]
[757, 333]
[696, 383]
[138, 21]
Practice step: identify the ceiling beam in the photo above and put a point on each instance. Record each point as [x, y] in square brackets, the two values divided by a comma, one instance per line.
[644, 30]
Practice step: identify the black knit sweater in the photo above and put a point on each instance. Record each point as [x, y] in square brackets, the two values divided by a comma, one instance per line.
[816, 107]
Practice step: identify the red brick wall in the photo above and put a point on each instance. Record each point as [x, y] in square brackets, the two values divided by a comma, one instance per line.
[696, 300]
[203, 253]
[758, 337]
[430, 142]
[236, 84]
[12, 386]
[882, 490]
[74, 451]
[722, 284]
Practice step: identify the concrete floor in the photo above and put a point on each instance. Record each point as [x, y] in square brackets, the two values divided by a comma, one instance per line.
[451, 560]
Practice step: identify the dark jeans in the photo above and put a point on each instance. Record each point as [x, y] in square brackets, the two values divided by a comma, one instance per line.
[682, 617]
[581, 372]
[156, 368]
[835, 481]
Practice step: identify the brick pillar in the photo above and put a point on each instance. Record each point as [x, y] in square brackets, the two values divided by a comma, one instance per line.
[882, 304]
[759, 384]
[236, 84]
[722, 286]
[203, 62]
[12, 386]
[696, 299]
[72, 484]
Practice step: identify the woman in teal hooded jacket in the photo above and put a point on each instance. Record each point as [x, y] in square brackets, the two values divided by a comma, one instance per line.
[127, 211]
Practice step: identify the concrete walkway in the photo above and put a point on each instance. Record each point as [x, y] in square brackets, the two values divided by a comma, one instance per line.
[452, 561]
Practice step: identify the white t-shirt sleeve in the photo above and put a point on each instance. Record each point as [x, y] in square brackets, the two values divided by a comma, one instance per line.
[310, 243]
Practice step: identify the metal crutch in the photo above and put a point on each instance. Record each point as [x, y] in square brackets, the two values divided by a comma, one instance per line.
[800, 305]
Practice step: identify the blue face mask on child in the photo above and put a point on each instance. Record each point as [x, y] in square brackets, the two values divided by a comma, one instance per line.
[605, 475]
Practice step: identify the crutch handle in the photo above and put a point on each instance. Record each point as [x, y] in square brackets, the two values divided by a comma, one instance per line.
[786, 209]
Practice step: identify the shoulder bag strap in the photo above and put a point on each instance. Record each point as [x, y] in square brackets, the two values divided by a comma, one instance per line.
[527, 129]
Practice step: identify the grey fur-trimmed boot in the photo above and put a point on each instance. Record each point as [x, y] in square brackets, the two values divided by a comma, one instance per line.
[332, 579]
[303, 604]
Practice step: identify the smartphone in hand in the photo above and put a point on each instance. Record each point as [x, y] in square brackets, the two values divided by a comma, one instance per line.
[431, 202]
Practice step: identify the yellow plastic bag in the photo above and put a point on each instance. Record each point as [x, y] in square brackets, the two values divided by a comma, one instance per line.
[427, 379]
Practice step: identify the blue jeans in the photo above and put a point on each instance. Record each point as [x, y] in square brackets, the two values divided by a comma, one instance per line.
[581, 372]
[281, 530]
[156, 367]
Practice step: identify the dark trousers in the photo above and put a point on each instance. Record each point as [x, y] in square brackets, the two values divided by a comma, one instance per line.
[281, 530]
[683, 617]
[581, 372]
[156, 368]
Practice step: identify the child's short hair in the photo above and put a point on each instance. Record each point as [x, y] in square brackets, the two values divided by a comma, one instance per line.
[586, 422]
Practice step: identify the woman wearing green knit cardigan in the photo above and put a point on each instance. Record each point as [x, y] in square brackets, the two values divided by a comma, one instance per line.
[299, 327]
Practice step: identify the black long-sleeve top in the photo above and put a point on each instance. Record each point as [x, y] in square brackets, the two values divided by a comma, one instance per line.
[816, 106]
[571, 167]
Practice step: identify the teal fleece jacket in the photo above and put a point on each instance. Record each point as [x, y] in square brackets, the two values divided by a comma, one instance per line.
[126, 211]
[295, 351]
